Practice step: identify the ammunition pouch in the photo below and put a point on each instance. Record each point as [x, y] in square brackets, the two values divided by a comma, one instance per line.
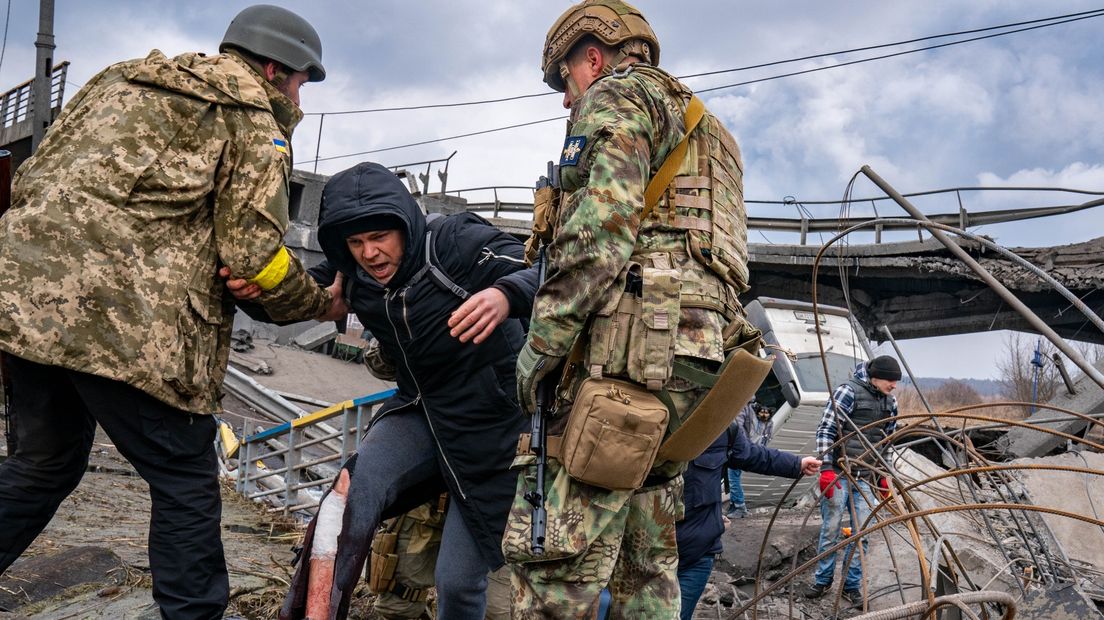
[384, 560]
[613, 434]
[636, 337]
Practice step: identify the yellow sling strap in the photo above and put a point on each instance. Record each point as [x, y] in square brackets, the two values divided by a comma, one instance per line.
[695, 110]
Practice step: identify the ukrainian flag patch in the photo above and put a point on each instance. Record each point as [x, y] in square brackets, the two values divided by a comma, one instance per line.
[281, 145]
[572, 150]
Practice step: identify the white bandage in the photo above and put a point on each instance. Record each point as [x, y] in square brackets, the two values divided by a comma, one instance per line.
[327, 527]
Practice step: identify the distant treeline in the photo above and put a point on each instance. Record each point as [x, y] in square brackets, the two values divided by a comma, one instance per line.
[986, 388]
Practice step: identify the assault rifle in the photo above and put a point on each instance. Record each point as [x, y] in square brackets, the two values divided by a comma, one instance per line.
[546, 394]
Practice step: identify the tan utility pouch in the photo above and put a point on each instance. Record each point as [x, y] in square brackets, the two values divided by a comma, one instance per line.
[613, 434]
[546, 202]
[381, 572]
[636, 337]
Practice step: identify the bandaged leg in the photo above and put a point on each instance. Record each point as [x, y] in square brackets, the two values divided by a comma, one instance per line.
[324, 548]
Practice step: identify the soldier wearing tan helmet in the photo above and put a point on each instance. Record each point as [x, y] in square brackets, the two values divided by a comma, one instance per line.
[157, 173]
[643, 272]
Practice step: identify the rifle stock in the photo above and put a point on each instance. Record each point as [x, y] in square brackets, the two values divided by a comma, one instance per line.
[538, 435]
[536, 496]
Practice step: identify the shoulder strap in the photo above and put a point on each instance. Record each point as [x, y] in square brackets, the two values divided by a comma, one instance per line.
[438, 275]
[695, 110]
[347, 287]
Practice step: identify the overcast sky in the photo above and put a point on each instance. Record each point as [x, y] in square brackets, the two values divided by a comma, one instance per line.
[1022, 109]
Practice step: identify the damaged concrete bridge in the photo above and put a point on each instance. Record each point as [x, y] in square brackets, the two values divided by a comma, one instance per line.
[917, 287]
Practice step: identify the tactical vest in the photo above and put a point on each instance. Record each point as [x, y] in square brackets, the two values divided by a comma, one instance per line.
[870, 406]
[688, 266]
[690, 255]
[705, 204]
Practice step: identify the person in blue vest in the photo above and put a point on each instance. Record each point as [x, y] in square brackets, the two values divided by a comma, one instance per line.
[699, 532]
[865, 398]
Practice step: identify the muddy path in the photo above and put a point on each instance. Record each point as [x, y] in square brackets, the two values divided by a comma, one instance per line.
[109, 511]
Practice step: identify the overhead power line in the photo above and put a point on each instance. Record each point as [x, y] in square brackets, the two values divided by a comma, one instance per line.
[1063, 19]
[1098, 13]
[463, 135]
[4, 45]
[1083, 14]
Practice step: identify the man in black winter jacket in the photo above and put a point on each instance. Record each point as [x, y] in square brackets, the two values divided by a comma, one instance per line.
[444, 301]
[699, 532]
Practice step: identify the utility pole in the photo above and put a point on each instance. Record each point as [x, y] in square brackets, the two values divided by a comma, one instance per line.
[44, 69]
[1037, 362]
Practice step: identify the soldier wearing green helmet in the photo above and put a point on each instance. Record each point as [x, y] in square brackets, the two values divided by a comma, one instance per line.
[158, 174]
[644, 267]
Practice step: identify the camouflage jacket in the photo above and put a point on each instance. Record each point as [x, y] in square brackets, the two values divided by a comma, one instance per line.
[620, 132]
[158, 172]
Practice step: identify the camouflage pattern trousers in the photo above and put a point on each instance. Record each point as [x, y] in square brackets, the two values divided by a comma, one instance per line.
[623, 540]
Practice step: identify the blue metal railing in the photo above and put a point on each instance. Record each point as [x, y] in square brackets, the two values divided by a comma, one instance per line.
[298, 453]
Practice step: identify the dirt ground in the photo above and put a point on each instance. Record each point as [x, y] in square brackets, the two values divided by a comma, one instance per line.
[110, 509]
[108, 515]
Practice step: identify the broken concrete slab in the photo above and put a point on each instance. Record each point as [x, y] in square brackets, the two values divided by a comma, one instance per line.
[1089, 399]
[250, 362]
[316, 336]
[743, 539]
[964, 530]
[1060, 603]
[35, 579]
[1082, 494]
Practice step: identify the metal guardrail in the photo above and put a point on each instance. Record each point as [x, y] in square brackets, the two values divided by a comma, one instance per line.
[805, 224]
[283, 484]
[16, 104]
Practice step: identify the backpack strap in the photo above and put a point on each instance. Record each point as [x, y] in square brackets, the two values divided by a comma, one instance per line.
[437, 274]
[695, 110]
[430, 269]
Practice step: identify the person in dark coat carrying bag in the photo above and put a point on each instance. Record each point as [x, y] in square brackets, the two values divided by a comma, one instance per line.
[699, 531]
[443, 299]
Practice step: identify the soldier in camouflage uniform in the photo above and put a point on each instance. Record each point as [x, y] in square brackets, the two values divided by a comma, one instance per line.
[157, 174]
[627, 116]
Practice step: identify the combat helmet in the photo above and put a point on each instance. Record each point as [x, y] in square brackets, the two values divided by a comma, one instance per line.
[276, 33]
[613, 22]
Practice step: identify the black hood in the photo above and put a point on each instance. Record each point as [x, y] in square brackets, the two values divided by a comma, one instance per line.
[364, 192]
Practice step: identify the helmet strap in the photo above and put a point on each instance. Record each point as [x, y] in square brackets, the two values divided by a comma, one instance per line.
[258, 65]
[634, 47]
[569, 82]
